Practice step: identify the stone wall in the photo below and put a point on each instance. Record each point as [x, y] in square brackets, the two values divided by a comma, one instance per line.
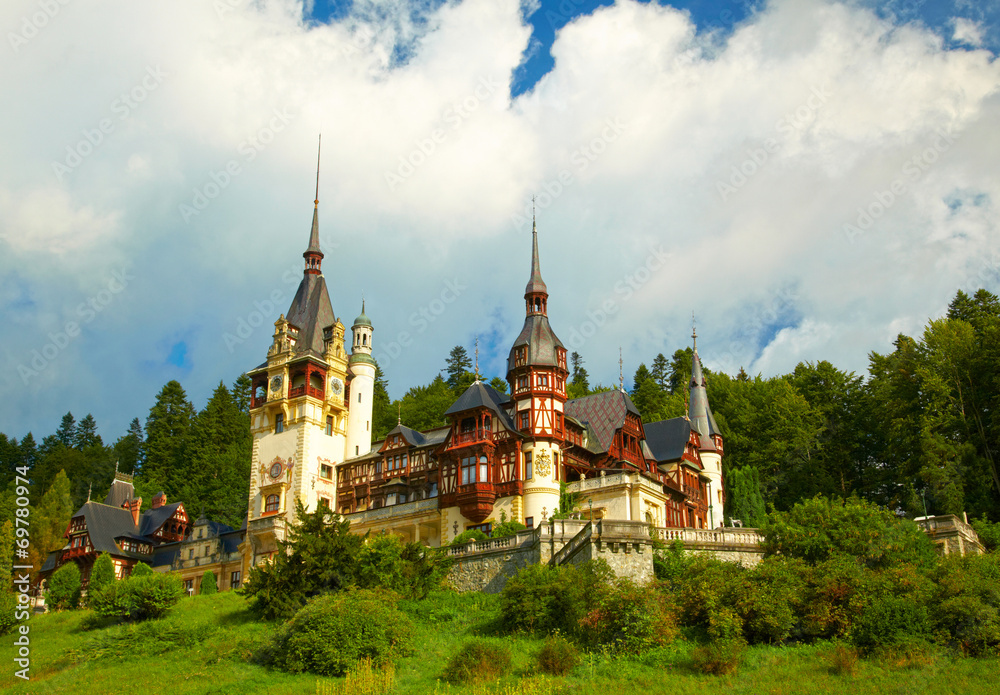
[951, 535]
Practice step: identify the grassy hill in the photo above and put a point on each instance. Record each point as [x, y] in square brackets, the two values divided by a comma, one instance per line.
[206, 645]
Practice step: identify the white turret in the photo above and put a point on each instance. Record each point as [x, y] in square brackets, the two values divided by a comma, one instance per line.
[361, 367]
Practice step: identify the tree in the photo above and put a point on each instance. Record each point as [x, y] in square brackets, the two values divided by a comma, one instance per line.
[50, 519]
[498, 384]
[64, 587]
[67, 430]
[383, 412]
[579, 382]
[318, 557]
[681, 366]
[208, 584]
[661, 372]
[130, 448]
[743, 497]
[241, 393]
[642, 375]
[101, 575]
[458, 364]
[86, 433]
[168, 429]
[422, 408]
[8, 601]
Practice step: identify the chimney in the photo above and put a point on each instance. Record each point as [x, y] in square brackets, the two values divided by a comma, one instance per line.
[159, 500]
[133, 506]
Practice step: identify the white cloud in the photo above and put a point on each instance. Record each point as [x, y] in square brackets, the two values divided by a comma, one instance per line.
[809, 113]
[967, 32]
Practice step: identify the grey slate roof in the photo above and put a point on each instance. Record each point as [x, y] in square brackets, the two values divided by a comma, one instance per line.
[666, 439]
[412, 437]
[541, 340]
[314, 234]
[480, 395]
[121, 490]
[535, 282]
[603, 413]
[699, 411]
[311, 312]
[152, 519]
[105, 523]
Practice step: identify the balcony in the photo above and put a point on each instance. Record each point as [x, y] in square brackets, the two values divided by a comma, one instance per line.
[306, 391]
[472, 437]
[475, 500]
[268, 527]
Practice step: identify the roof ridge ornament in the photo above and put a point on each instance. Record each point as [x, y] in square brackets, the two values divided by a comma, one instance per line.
[313, 253]
[477, 359]
[621, 371]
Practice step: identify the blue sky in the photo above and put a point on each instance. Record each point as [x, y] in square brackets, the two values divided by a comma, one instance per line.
[809, 177]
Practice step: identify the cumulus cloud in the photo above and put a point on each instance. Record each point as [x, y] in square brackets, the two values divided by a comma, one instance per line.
[808, 184]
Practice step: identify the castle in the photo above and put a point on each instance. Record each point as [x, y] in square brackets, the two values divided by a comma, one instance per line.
[499, 455]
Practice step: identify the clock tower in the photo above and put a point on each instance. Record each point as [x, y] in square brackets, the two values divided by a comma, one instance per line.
[299, 415]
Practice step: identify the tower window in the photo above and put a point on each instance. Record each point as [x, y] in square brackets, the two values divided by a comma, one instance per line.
[279, 423]
[525, 419]
[483, 467]
[359, 397]
[329, 425]
[527, 465]
[271, 504]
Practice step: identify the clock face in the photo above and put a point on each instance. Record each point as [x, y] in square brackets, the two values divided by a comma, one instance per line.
[275, 470]
[275, 383]
[336, 385]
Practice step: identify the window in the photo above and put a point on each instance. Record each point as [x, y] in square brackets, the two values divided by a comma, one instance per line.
[321, 500]
[378, 466]
[525, 419]
[529, 521]
[279, 423]
[485, 528]
[543, 381]
[189, 586]
[483, 463]
[207, 550]
[234, 580]
[271, 504]
[329, 425]
[326, 472]
[527, 465]
[555, 466]
[191, 554]
[468, 470]
[199, 532]
[359, 396]
[434, 490]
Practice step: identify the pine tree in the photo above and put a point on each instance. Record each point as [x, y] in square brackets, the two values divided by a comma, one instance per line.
[498, 384]
[67, 430]
[8, 601]
[458, 365]
[383, 411]
[86, 433]
[680, 369]
[642, 375]
[168, 429]
[661, 371]
[579, 383]
[129, 449]
[208, 584]
[50, 519]
[241, 393]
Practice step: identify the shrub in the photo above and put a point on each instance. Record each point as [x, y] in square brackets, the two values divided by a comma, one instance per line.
[630, 619]
[832, 596]
[140, 569]
[64, 587]
[672, 563]
[8, 609]
[208, 584]
[409, 569]
[816, 529]
[988, 532]
[505, 529]
[101, 575]
[842, 660]
[473, 534]
[557, 656]
[138, 598]
[770, 601]
[720, 657]
[707, 586]
[541, 599]
[890, 622]
[478, 659]
[967, 603]
[333, 632]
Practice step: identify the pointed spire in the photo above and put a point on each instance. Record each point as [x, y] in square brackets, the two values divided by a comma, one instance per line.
[399, 413]
[89, 490]
[694, 333]
[699, 411]
[313, 254]
[477, 359]
[535, 285]
[621, 371]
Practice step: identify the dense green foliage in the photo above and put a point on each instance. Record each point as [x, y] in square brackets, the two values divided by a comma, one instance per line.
[473, 534]
[101, 574]
[138, 598]
[331, 633]
[64, 587]
[208, 584]
[558, 655]
[7, 599]
[141, 568]
[322, 556]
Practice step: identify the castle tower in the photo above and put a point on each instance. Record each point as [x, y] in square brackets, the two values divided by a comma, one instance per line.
[298, 416]
[711, 449]
[362, 387]
[536, 372]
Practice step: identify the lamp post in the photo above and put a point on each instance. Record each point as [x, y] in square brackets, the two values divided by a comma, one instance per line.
[590, 501]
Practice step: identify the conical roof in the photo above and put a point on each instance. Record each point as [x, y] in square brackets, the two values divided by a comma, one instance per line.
[535, 284]
[699, 412]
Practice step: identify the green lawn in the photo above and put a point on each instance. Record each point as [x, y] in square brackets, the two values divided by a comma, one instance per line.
[206, 645]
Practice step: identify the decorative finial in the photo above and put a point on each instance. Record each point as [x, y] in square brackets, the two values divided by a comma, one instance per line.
[362, 303]
[477, 358]
[532, 213]
[89, 489]
[694, 332]
[319, 148]
[116, 469]
[621, 371]
[399, 413]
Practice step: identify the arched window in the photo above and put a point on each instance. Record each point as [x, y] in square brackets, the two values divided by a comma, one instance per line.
[271, 503]
[483, 477]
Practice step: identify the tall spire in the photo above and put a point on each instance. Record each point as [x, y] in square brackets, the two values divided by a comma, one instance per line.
[536, 293]
[621, 371]
[477, 358]
[699, 411]
[313, 254]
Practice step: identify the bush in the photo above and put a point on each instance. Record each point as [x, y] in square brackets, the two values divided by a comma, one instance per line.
[707, 587]
[335, 631]
[505, 529]
[473, 534]
[409, 569]
[208, 584]
[672, 563]
[720, 657]
[988, 532]
[890, 622]
[477, 660]
[630, 619]
[140, 569]
[967, 603]
[541, 599]
[771, 599]
[842, 660]
[101, 575]
[138, 598]
[557, 656]
[64, 587]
